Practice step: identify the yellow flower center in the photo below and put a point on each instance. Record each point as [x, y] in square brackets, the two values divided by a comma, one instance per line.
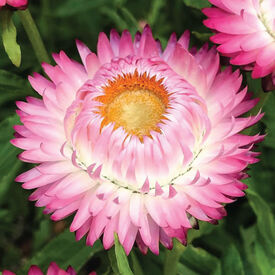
[138, 112]
[135, 102]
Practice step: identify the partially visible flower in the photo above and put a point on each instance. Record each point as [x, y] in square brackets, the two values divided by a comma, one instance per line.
[246, 32]
[18, 4]
[53, 269]
[139, 141]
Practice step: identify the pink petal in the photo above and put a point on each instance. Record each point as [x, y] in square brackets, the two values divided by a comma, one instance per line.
[104, 50]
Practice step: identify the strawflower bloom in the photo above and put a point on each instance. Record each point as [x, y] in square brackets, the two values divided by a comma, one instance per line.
[137, 141]
[18, 4]
[53, 269]
[246, 32]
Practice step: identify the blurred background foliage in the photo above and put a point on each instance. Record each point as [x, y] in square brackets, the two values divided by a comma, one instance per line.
[242, 243]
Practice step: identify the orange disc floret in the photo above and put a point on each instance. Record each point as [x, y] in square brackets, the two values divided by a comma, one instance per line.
[134, 82]
[135, 102]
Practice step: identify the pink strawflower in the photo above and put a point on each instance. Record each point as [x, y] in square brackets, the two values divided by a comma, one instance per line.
[52, 270]
[246, 32]
[19, 4]
[137, 141]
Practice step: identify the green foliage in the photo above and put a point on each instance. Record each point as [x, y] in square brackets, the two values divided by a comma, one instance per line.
[204, 229]
[265, 222]
[8, 160]
[198, 4]
[65, 251]
[156, 7]
[172, 258]
[258, 240]
[123, 267]
[13, 202]
[202, 36]
[269, 119]
[192, 255]
[9, 37]
[113, 261]
[12, 87]
[75, 7]
[42, 234]
[232, 262]
[243, 243]
[136, 265]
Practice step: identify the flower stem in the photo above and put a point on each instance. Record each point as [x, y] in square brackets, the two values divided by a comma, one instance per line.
[172, 258]
[34, 36]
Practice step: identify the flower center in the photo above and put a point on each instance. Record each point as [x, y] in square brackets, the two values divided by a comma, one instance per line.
[138, 112]
[135, 102]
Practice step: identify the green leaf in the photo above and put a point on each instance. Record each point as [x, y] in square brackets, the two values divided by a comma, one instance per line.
[108, 271]
[136, 265]
[265, 220]
[204, 229]
[13, 87]
[172, 258]
[248, 240]
[257, 258]
[155, 11]
[65, 251]
[9, 164]
[132, 22]
[268, 120]
[42, 234]
[191, 256]
[8, 178]
[263, 172]
[265, 99]
[204, 37]
[151, 264]
[182, 269]
[73, 7]
[198, 4]
[218, 269]
[9, 37]
[11, 80]
[263, 261]
[232, 262]
[122, 260]
[113, 15]
[113, 261]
